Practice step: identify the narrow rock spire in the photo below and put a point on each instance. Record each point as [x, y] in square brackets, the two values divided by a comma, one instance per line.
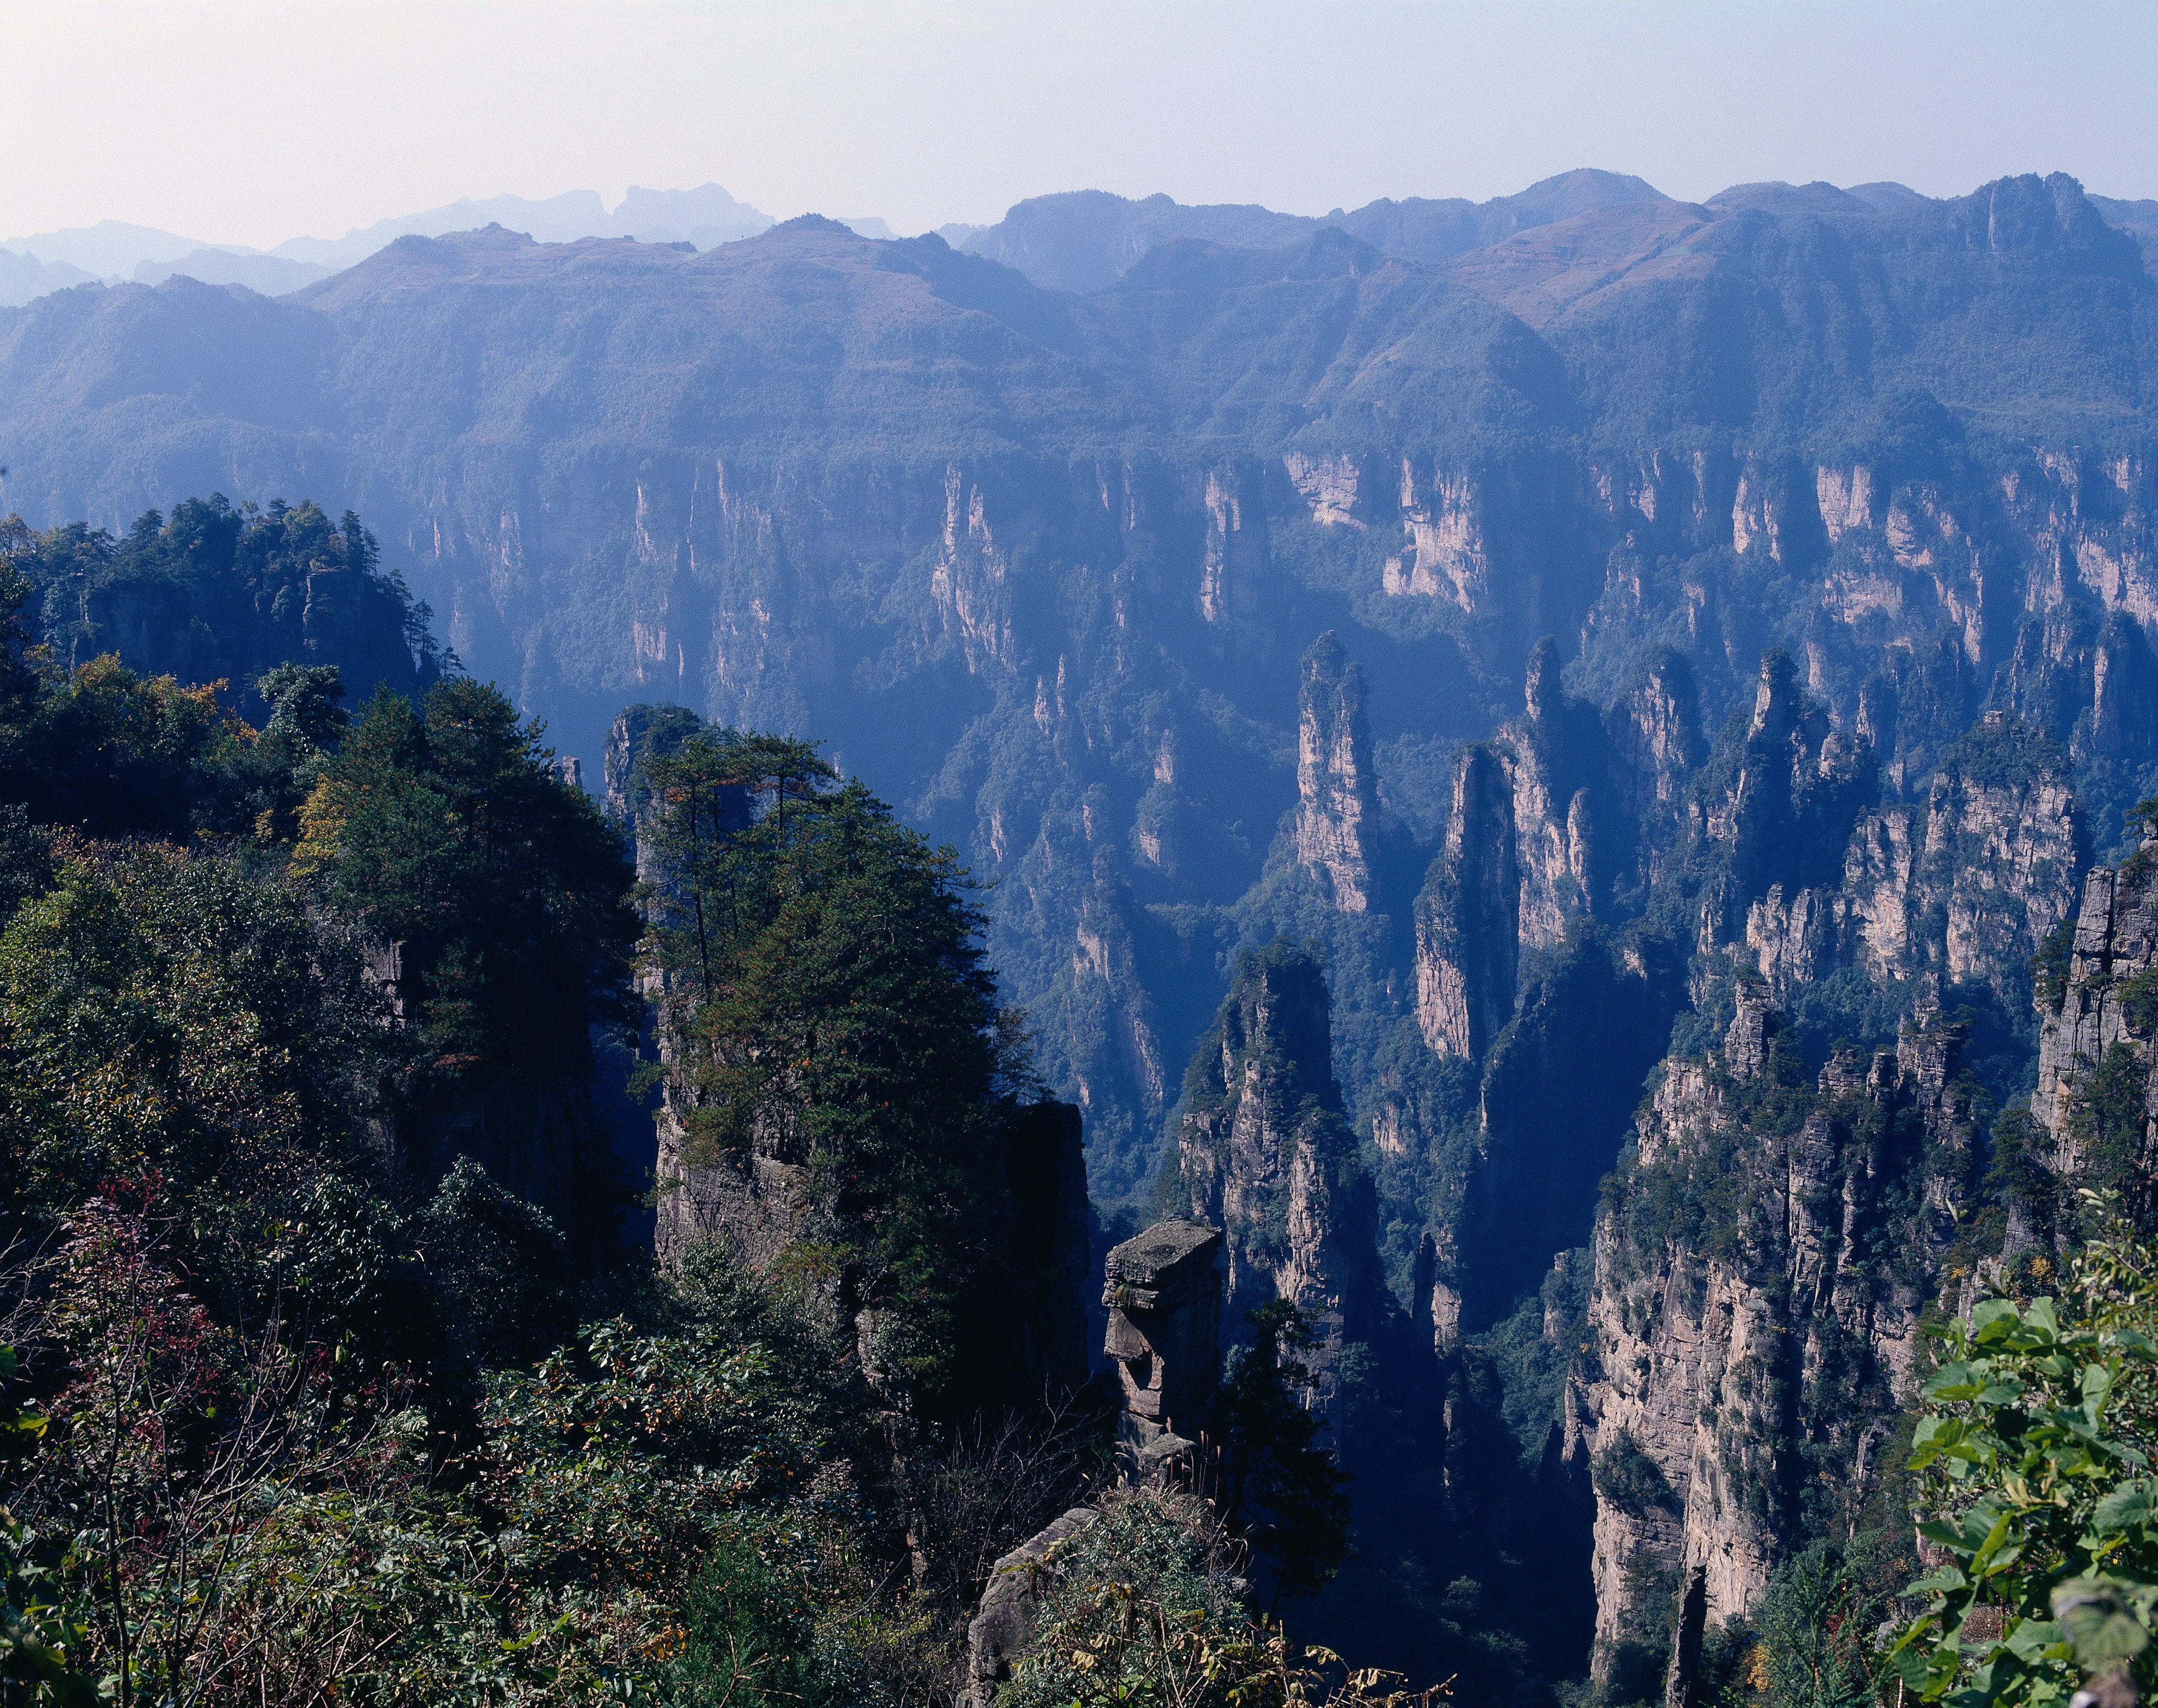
[1337, 819]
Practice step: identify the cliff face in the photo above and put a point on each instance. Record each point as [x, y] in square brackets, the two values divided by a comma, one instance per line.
[1761, 1266]
[1041, 567]
[1558, 1091]
[215, 594]
[1337, 817]
[1467, 942]
[1567, 815]
[1964, 886]
[1028, 1332]
[1265, 1154]
[1774, 810]
[2096, 1105]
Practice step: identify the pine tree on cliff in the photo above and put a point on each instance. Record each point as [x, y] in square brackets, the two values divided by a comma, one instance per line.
[826, 985]
[1281, 1488]
[446, 828]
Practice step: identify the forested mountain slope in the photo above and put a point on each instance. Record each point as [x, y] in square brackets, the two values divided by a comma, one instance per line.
[1042, 565]
[1605, 650]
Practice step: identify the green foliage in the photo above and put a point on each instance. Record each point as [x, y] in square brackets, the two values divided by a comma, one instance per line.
[1816, 1629]
[1281, 1489]
[119, 754]
[501, 1268]
[2143, 822]
[1628, 1478]
[828, 987]
[2139, 1002]
[234, 591]
[2035, 1438]
[1136, 1599]
[2108, 1121]
[2049, 967]
[755, 1631]
[1139, 1610]
[446, 830]
[169, 1014]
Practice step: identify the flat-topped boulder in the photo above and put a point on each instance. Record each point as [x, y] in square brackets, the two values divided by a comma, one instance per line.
[1171, 1261]
[1163, 1291]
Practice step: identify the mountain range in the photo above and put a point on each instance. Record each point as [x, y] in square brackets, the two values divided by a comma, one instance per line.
[1079, 240]
[113, 250]
[1673, 667]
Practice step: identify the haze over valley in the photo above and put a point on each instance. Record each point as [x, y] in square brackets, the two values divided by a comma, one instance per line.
[819, 952]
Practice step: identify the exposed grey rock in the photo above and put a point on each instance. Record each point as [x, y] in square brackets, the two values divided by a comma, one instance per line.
[1775, 1310]
[1467, 937]
[1163, 1292]
[1337, 819]
[2108, 989]
[1964, 886]
[1266, 1152]
[1003, 1630]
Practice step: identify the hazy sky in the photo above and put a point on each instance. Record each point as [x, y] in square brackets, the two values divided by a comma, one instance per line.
[249, 123]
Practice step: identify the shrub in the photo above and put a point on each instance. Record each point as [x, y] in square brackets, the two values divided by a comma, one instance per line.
[2035, 1439]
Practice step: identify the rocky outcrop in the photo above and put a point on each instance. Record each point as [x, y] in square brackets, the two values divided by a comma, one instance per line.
[1232, 577]
[2096, 1104]
[1467, 918]
[1914, 707]
[1265, 1150]
[1655, 732]
[1030, 1324]
[639, 735]
[1162, 1290]
[1565, 815]
[1337, 815]
[1003, 1630]
[1760, 1265]
[1964, 886]
[1561, 764]
[1029, 1328]
[2087, 676]
[1776, 811]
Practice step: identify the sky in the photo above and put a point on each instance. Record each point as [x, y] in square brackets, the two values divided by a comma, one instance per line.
[239, 122]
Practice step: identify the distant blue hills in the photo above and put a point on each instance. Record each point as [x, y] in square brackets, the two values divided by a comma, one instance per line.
[1075, 240]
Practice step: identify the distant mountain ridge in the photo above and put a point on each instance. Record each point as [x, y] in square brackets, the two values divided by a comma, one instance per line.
[1081, 240]
[1085, 239]
[112, 250]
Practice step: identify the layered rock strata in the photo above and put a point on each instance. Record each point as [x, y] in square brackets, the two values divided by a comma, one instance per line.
[1337, 815]
[1164, 1294]
[1964, 885]
[2097, 1098]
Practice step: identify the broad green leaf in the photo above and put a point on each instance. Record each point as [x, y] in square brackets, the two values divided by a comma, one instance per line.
[2130, 1505]
[2105, 1626]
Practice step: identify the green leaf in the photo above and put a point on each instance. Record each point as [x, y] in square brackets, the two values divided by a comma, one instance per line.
[2032, 1638]
[2123, 1508]
[2104, 1619]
